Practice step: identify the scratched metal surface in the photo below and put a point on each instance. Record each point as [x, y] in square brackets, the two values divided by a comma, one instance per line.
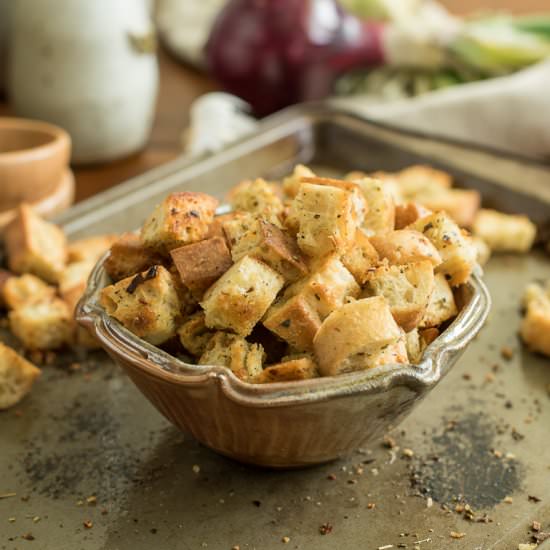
[88, 432]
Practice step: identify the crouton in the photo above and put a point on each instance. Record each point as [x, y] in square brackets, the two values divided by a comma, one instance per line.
[360, 257]
[535, 291]
[535, 326]
[291, 184]
[17, 377]
[287, 371]
[408, 213]
[389, 181]
[454, 246]
[194, 334]
[327, 287]
[392, 354]
[353, 332]
[5, 276]
[405, 246]
[42, 325]
[35, 246]
[407, 289]
[201, 264]
[182, 218]
[26, 289]
[215, 229]
[380, 218]
[325, 218]
[505, 232]
[267, 242]
[460, 204]
[257, 197]
[228, 350]
[483, 252]
[428, 335]
[241, 296]
[416, 179]
[75, 275]
[147, 304]
[90, 249]
[414, 346]
[295, 321]
[129, 256]
[442, 305]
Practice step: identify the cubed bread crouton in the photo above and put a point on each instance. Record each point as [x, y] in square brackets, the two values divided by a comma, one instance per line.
[535, 326]
[380, 218]
[407, 289]
[257, 197]
[405, 246]
[5, 276]
[194, 334]
[295, 320]
[287, 371]
[26, 289]
[180, 219]
[42, 325]
[505, 232]
[325, 217]
[461, 204]
[414, 345]
[327, 287]
[201, 264]
[416, 179]
[388, 180]
[442, 305]
[483, 252]
[75, 276]
[17, 376]
[35, 246]
[408, 213]
[241, 296]
[267, 242]
[228, 350]
[353, 332]
[454, 246]
[360, 257]
[129, 256]
[147, 304]
[90, 249]
[392, 354]
[291, 184]
[535, 291]
[216, 227]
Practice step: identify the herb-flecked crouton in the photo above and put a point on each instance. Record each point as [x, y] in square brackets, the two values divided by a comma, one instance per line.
[405, 246]
[90, 248]
[26, 289]
[287, 371]
[360, 257]
[194, 334]
[381, 202]
[257, 197]
[442, 305]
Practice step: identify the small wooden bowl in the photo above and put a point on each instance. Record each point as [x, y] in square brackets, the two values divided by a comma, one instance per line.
[34, 157]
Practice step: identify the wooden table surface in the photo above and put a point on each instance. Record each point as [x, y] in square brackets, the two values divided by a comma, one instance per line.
[181, 85]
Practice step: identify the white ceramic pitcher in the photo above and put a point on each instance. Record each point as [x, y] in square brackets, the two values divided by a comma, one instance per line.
[88, 66]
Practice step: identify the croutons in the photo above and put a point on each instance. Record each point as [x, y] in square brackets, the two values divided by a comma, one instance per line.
[418, 178]
[241, 357]
[535, 326]
[35, 246]
[129, 256]
[194, 334]
[182, 218]
[460, 204]
[42, 325]
[295, 369]
[26, 289]
[241, 296]
[405, 246]
[295, 320]
[267, 242]
[75, 276]
[454, 246]
[291, 184]
[325, 217]
[408, 213]
[483, 252]
[5, 276]
[147, 304]
[201, 264]
[442, 305]
[90, 249]
[351, 334]
[505, 232]
[360, 257]
[407, 289]
[380, 218]
[17, 377]
[216, 227]
[257, 197]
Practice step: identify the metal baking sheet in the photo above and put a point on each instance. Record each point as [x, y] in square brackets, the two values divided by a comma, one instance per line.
[94, 466]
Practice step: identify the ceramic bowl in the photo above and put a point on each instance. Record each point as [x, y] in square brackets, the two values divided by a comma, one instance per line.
[281, 425]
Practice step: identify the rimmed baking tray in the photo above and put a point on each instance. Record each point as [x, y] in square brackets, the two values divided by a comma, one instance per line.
[482, 435]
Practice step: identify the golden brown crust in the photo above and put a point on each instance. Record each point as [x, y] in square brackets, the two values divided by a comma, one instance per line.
[5, 276]
[380, 218]
[535, 326]
[460, 204]
[361, 257]
[288, 371]
[257, 197]
[90, 249]
[291, 184]
[408, 213]
[26, 289]
[442, 305]
[17, 376]
[194, 335]
[405, 246]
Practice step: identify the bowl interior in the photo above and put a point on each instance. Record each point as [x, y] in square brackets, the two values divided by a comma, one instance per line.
[13, 139]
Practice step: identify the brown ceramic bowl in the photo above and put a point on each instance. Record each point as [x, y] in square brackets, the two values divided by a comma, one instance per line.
[34, 157]
[281, 425]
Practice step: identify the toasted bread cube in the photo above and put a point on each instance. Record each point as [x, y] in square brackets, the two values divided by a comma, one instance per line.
[5, 276]
[442, 305]
[90, 249]
[416, 179]
[129, 256]
[182, 218]
[380, 218]
[35, 246]
[535, 326]
[407, 289]
[295, 321]
[392, 354]
[505, 232]
[361, 257]
[194, 334]
[228, 350]
[75, 275]
[216, 227]
[350, 334]
[201, 264]
[483, 252]
[389, 182]
[241, 296]
[460, 204]
[458, 253]
[147, 304]
[405, 246]
[414, 345]
[257, 197]
[26, 289]
[291, 184]
[288, 371]
[408, 213]
[267, 242]
[327, 287]
[535, 291]
[43, 325]
[17, 377]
